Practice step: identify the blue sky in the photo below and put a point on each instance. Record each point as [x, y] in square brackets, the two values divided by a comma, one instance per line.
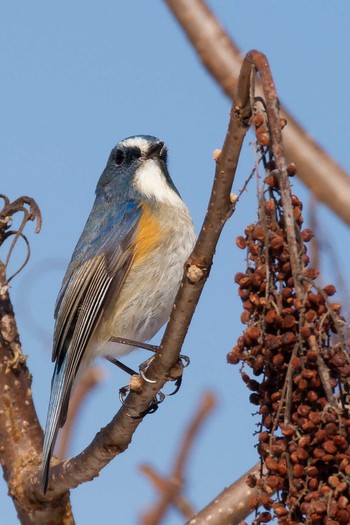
[76, 78]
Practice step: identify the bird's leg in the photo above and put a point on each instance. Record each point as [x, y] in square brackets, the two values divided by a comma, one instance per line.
[137, 344]
[120, 365]
[152, 348]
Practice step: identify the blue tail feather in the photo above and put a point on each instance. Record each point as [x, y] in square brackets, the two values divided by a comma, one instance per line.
[56, 416]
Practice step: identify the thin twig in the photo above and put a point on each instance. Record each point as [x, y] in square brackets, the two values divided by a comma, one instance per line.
[30, 212]
[259, 61]
[160, 483]
[171, 489]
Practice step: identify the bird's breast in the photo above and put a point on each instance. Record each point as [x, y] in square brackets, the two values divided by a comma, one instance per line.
[150, 234]
[163, 240]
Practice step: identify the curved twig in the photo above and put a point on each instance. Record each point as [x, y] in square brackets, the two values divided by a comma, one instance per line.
[18, 234]
[7, 212]
[171, 489]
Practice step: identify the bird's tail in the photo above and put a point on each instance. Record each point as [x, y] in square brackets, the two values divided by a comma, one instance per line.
[56, 416]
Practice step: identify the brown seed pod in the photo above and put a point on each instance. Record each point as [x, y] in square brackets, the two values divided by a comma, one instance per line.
[258, 120]
[248, 305]
[305, 332]
[245, 316]
[311, 273]
[277, 243]
[272, 342]
[307, 235]
[241, 242]
[272, 180]
[291, 169]
[270, 207]
[258, 233]
[239, 276]
[253, 251]
[263, 138]
[288, 322]
[232, 358]
[271, 317]
[336, 307]
[288, 338]
[310, 316]
[329, 289]
[243, 293]
[298, 470]
[254, 332]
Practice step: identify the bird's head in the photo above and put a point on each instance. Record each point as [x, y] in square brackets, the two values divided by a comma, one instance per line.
[137, 169]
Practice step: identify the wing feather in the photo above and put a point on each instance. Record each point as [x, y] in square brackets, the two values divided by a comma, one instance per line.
[96, 266]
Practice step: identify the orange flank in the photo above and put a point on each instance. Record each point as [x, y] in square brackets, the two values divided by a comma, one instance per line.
[148, 234]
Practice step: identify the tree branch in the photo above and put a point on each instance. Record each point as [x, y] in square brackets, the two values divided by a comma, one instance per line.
[160, 483]
[171, 489]
[21, 436]
[223, 60]
[233, 504]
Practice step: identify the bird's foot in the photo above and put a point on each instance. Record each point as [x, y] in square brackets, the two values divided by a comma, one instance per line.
[175, 373]
[152, 407]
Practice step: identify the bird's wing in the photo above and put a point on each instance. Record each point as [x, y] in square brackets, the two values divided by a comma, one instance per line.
[105, 262]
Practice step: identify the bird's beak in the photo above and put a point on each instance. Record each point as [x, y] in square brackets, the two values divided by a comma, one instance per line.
[155, 150]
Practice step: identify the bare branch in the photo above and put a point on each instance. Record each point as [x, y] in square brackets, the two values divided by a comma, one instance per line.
[161, 483]
[223, 60]
[21, 436]
[172, 487]
[233, 504]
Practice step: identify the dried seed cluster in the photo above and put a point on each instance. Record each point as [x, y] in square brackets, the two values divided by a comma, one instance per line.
[294, 344]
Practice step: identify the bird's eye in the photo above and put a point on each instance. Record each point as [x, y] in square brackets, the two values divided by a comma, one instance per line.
[119, 157]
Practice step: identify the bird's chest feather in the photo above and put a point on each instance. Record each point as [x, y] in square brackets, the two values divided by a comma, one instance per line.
[150, 235]
[162, 231]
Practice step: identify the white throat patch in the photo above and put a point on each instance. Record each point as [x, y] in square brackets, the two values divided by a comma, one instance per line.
[150, 181]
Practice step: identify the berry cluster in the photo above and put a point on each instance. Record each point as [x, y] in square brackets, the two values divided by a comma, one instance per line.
[294, 342]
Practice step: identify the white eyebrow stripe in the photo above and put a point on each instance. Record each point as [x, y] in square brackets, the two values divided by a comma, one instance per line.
[137, 142]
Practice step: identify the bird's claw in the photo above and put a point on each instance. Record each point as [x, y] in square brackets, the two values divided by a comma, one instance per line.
[152, 407]
[178, 383]
[143, 369]
[185, 360]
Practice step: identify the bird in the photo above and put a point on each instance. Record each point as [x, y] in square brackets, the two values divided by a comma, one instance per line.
[124, 273]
